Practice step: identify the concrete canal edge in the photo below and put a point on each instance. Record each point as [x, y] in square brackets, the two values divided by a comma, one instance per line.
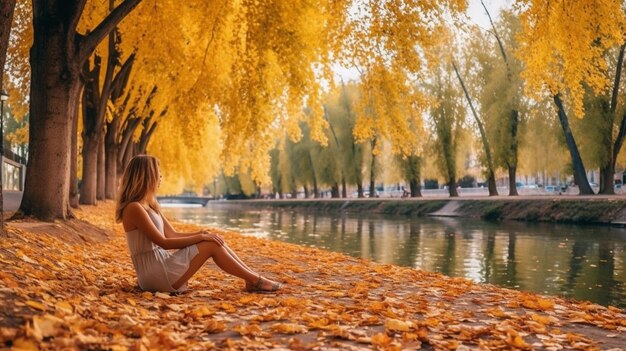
[608, 210]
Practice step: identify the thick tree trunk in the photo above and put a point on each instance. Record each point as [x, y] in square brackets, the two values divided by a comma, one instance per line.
[344, 190]
[54, 94]
[580, 174]
[416, 188]
[607, 176]
[359, 189]
[101, 177]
[452, 187]
[334, 190]
[7, 8]
[56, 58]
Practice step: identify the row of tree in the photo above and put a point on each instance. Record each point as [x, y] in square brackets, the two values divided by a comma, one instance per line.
[215, 83]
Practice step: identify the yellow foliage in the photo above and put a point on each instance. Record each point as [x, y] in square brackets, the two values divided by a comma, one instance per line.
[563, 43]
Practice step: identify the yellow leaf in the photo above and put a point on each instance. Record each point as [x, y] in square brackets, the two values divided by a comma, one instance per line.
[289, 328]
[398, 325]
[36, 305]
[213, 327]
[380, 339]
[163, 295]
[22, 344]
[64, 307]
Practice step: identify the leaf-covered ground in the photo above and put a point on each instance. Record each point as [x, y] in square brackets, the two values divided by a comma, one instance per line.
[68, 286]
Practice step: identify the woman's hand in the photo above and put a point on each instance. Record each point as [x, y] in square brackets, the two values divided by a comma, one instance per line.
[206, 236]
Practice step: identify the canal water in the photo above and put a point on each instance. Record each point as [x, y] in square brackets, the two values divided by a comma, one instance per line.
[581, 262]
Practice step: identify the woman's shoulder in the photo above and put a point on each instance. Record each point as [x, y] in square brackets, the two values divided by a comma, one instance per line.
[134, 207]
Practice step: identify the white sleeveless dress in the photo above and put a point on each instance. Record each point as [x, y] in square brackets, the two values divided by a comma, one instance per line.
[157, 269]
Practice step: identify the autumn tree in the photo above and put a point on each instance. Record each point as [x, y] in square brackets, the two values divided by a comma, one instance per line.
[562, 44]
[56, 60]
[446, 119]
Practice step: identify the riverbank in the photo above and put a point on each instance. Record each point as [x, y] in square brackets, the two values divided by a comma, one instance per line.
[72, 286]
[607, 210]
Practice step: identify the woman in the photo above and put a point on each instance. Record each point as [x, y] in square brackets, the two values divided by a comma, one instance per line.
[149, 235]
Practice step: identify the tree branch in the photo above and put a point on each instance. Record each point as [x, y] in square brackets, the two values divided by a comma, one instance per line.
[91, 41]
[618, 74]
[121, 79]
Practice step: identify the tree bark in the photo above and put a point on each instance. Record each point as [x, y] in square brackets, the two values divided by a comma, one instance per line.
[74, 165]
[607, 171]
[373, 171]
[512, 161]
[512, 181]
[110, 150]
[580, 174]
[100, 170]
[416, 188]
[7, 7]
[54, 93]
[57, 56]
[91, 134]
[334, 190]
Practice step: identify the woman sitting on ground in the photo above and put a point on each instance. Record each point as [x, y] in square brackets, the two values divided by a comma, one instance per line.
[149, 235]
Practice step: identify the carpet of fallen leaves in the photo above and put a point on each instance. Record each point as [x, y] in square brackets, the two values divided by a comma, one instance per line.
[60, 292]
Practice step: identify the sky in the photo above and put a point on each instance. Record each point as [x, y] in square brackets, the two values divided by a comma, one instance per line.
[476, 15]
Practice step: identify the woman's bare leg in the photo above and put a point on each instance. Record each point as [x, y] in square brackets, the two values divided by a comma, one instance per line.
[221, 257]
[227, 260]
[265, 283]
[234, 255]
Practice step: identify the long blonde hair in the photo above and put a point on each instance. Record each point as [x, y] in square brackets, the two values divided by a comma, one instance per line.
[139, 183]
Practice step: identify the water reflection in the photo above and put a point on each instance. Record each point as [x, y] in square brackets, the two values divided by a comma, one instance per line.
[582, 262]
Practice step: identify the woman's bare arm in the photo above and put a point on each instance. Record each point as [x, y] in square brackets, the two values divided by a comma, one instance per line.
[136, 217]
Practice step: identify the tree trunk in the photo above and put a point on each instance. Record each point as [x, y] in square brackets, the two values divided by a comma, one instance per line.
[316, 193]
[512, 162]
[452, 187]
[344, 191]
[491, 179]
[110, 150]
[334, 190]
[512, 181]
[416, 188]
[580, 175]
[607, 176]
[101, 170]
[91, 137]
[74, 165]
[56, 58]
[373, 171]
[90, 172]
[607, 171]
[359, 189]
[7, 8]
[306, 191]
[54, 94]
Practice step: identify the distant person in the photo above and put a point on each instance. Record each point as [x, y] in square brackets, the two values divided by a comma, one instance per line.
[149, 235]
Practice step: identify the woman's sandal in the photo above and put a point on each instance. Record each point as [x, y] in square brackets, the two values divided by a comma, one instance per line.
[257, 287]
